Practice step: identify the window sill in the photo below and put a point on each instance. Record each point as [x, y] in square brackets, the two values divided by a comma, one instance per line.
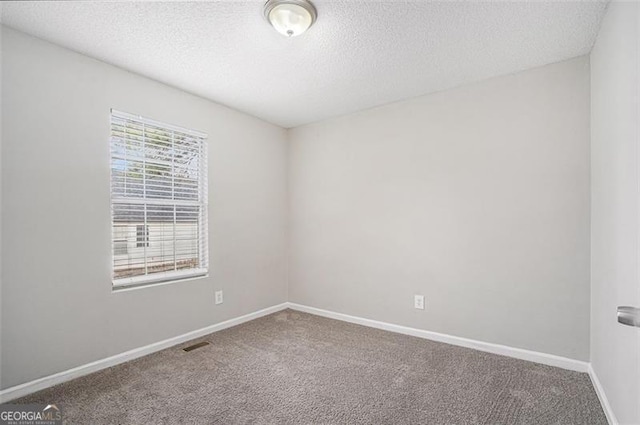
[139, 282]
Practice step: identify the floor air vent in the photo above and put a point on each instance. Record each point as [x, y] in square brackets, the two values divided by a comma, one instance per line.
[194, 346]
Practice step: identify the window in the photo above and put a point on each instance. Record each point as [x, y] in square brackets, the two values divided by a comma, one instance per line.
[142, 235]
[158, 201]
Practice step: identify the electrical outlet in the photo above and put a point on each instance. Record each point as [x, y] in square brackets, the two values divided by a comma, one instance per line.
[219, 298]
[418, 302]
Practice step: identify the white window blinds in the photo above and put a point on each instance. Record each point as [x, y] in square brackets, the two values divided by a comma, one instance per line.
[158, 201]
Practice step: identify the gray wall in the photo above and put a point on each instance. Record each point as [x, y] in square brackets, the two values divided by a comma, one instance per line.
[615, 134]
[476, 197]
[58, 310]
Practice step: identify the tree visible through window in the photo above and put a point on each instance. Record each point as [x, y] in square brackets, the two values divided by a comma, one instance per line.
[158, 201]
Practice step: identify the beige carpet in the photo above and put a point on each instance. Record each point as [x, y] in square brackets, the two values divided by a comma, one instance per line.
[295, 368]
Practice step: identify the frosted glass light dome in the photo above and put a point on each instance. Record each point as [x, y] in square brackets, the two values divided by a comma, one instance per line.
[290, 17]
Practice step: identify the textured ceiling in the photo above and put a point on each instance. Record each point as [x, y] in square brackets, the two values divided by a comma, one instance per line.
[359, 54]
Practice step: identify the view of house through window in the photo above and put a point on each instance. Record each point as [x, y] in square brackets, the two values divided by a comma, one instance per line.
[142, 235]
[158, 201]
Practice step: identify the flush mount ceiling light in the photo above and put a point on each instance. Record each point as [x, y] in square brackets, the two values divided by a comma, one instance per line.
[290, 17]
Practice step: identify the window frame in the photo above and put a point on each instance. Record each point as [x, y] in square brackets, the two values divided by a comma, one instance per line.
[202, 228]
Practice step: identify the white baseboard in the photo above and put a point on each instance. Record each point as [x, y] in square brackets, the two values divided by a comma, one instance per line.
[58, 378]
[548, 359]
[518, 353]
[602, 396]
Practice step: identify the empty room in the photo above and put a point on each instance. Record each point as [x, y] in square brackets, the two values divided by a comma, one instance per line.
[320, 212]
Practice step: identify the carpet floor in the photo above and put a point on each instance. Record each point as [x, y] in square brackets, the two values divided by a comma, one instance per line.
[296, 368]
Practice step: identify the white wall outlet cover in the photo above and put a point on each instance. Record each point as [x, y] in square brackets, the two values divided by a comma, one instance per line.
[418, 302]
[219, 298]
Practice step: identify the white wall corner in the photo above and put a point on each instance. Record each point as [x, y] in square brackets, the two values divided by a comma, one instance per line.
[602, 396]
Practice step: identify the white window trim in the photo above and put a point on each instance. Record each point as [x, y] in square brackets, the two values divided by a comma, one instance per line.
[174, 275]
[164, 277]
